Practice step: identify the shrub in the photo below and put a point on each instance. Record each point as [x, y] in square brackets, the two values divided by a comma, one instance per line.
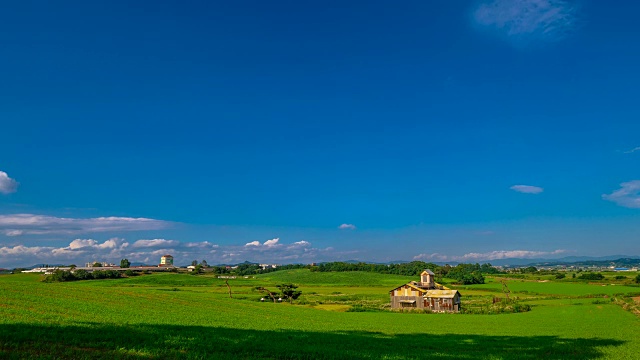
[620, 277]
[560, 276]
[59, 276]
[82, 275]
[130, 272]
[638, 279]
[591, 276]
[357, 308]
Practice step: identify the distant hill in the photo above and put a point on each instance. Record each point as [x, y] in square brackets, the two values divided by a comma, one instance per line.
[44, 265]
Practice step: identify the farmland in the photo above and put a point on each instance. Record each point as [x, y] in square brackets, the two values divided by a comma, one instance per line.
[192, 317]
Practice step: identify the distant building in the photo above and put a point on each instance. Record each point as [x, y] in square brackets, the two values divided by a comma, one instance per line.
[166, 260]
[426, 294]
[102, 264]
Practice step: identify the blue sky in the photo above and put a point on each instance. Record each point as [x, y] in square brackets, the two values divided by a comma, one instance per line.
[448, 131]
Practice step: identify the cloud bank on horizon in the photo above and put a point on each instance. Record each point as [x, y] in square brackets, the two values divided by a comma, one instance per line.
[150, 251]
[528, 20]
[30, 224]
[487, 256]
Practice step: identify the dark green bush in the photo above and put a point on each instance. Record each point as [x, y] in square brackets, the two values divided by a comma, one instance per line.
[130, 272]
[591, 276]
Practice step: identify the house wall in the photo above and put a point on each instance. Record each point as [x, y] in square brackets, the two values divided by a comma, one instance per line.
[443, 304]
[396, 302]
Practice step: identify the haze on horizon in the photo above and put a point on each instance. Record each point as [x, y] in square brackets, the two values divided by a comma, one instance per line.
[289, 132]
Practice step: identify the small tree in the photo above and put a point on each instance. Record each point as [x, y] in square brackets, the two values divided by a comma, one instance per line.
[194, 263]
[97, 264]
[638, 279]
[204, 263]
[289, 291]
[197, 270]
[124, 263]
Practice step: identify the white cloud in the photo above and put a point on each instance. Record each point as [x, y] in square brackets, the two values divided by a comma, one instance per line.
[507, 254]
[21, 250]
[203, 244]
[154, 243]
[7, 184]
[527, 189]
[31, 224]
[347, 227]
[431, 257]
[78, 250]
[628, 195]
[300, 243]
[492, 255]
[526, 20]
[272, 242]
[14, 232]
[253, 243]
[632, 150]
[113, 250]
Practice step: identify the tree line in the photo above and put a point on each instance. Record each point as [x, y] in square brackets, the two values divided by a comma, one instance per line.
[80, 274]
[462, 273]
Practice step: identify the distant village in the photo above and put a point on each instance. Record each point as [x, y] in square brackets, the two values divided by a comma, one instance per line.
[165, 264]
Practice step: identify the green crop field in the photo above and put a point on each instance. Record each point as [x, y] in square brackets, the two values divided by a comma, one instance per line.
[179, 316]
[561, 288]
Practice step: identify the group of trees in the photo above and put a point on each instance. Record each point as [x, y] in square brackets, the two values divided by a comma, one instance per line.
[203, 263]
[462, 273]
[288, 292]
[65, 275]
[243, 269]
[591, 276]
[409, 269]
[466, 274]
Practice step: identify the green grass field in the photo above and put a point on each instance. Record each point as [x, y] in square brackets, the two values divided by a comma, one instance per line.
[178, 316]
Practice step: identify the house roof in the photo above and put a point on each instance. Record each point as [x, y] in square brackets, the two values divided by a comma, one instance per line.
[442, 293]
[409, 285]
[428, 271]
[417, 287]
[166, 256]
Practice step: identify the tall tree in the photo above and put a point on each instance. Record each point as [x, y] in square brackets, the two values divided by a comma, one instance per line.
[124, 263]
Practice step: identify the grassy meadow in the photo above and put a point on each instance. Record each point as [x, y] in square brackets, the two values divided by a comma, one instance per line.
[181, 316]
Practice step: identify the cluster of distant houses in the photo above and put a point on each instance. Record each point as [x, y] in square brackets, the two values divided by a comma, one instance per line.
[166, 263]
